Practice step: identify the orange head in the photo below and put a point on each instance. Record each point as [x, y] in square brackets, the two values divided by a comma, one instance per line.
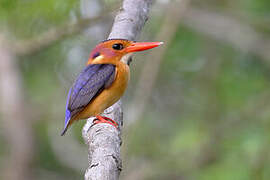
[114, 51]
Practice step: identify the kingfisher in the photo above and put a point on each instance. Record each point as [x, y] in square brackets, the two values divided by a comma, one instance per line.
[103, 81]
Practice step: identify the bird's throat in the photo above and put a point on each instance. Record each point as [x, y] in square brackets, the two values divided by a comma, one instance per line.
[126, 58]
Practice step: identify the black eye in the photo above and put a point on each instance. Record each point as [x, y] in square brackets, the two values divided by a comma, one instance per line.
[118, 46]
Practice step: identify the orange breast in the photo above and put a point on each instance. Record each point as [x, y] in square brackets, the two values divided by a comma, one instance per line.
[108, 96]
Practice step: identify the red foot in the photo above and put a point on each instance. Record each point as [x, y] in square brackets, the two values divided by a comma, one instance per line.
[103, 119]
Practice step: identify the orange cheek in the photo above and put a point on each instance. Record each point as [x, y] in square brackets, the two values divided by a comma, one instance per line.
[108, 53]
[106, 56]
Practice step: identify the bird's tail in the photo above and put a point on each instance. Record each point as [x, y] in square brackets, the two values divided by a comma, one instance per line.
[65, 129]
[67, 122]
[68, 115]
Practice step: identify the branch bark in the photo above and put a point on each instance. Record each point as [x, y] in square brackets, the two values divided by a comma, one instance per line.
[103, 140]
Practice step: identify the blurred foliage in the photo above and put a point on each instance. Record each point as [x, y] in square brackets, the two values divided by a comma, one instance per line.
[26, 18]
[208, 117]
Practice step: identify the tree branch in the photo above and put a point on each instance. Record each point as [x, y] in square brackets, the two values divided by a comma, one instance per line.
[226, 29]
[53, 35]
[104, 140]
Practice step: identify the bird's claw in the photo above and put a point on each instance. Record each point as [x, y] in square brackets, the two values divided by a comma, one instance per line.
[103, 119]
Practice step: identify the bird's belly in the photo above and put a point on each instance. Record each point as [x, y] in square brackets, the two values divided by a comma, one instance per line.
[108, 96]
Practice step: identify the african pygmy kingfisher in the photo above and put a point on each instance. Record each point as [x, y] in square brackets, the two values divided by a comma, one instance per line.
[103, 81]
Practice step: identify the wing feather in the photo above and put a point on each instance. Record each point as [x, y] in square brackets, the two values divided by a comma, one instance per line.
[90, 82]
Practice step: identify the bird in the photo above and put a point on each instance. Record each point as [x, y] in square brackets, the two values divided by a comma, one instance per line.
[103, 81]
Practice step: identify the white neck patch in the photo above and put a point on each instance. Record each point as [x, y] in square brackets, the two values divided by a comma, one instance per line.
[125, 58]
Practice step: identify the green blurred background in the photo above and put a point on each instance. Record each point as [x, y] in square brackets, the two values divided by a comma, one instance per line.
[196, 108]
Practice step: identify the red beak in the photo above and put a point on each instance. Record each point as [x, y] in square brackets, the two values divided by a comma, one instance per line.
[141, 46]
